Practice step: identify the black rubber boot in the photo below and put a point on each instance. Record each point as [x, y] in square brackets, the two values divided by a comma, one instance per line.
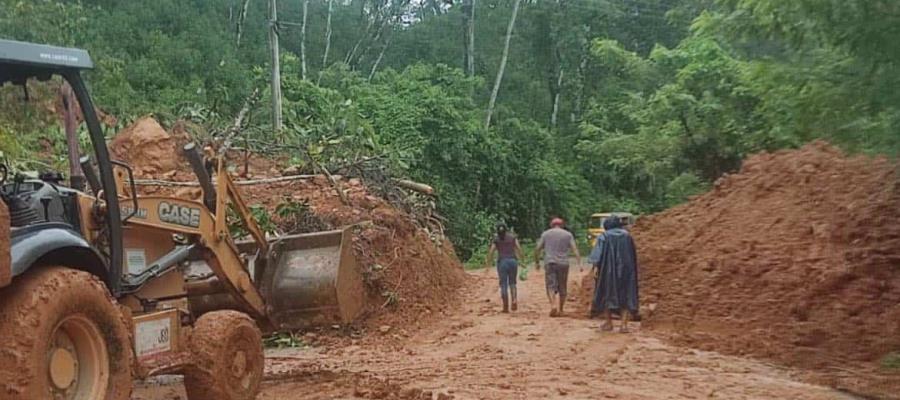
[505, 304]
[515, 302]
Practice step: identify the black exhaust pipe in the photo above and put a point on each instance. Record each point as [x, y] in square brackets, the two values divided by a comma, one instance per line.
[196, 160]
[90, 174]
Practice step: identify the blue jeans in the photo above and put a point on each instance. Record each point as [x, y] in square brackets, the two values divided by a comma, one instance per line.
[507, 270]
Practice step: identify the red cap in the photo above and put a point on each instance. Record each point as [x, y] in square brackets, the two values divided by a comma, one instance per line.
[556, 222]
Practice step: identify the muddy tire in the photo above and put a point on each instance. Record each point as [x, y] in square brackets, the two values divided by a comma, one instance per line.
[63, 338]
[228, 358]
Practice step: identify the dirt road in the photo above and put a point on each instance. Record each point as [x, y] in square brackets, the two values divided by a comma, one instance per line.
[476, 352]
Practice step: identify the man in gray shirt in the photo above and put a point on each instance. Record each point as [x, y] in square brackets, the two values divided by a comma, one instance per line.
[556, 243]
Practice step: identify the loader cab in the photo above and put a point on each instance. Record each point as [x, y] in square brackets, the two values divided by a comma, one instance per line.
[595, 224]
[47, 215]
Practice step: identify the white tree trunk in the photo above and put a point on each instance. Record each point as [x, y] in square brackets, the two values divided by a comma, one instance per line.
[349, 58]
[575, 116]
[352, 53]
[499, 79]
[303, 41]
[242, 16]
[380, 56]
[385, 25]
[469, 17]
[327, 34]
[277, 120]
[556, 95]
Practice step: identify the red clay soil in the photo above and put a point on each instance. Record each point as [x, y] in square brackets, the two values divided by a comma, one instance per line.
[408, 273]
[149, 149]
[796, 259]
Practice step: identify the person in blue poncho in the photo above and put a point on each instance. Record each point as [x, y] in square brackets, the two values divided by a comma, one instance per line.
[616, 268]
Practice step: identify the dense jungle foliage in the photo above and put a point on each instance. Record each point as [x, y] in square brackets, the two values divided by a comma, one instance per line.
[629, 105]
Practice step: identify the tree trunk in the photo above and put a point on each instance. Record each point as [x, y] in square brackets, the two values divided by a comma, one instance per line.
[236, 127]
[242, 16]
[499, 79]
[556, 29]
[384, 19]
[578, 102]
[327, 34]
[369, 16]
[277, 120]
[380, 56]
[303, 41]
[435, 7]
[556, 94]
[469, 37]
[352, 54]
[575, 116]
[380, 31]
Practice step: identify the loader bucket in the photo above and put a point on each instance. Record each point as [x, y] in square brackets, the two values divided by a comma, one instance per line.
[311, 279]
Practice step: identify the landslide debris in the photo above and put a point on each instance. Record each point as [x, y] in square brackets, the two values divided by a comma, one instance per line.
[796, 258]
[148, 148]
[410, 272]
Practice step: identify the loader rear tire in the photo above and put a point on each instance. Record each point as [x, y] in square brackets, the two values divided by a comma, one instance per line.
[228, 358]
[63, 338]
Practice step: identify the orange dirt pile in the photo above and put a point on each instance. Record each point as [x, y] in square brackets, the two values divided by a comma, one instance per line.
[154, 153]
[408, 272]
[148, 148]
[796, 258]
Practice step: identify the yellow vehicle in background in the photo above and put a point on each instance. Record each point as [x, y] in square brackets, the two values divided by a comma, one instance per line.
[595, 225]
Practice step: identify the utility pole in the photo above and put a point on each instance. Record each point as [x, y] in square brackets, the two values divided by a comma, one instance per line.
[277, 121]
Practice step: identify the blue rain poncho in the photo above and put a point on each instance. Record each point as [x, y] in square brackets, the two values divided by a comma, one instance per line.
[617, 285]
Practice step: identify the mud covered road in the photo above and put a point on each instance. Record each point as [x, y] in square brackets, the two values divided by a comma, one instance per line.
[476, 352]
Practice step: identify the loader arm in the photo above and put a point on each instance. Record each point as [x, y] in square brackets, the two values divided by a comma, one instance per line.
[228, 191]
[194, 219]
[295, 280]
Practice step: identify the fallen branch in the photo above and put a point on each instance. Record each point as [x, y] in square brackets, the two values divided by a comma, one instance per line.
[250, 182]
[419, 187]
[334, 183]
[415, 186]
[238, 122]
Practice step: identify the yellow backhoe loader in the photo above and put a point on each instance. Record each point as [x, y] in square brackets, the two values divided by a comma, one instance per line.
[595, 224]
[100, 285]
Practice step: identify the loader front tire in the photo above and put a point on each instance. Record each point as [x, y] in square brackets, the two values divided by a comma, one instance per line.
[64, 338]
[228, 358]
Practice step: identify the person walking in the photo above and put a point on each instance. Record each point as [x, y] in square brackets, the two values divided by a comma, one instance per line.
[617, 285]
[556, 243]
[508, 253]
